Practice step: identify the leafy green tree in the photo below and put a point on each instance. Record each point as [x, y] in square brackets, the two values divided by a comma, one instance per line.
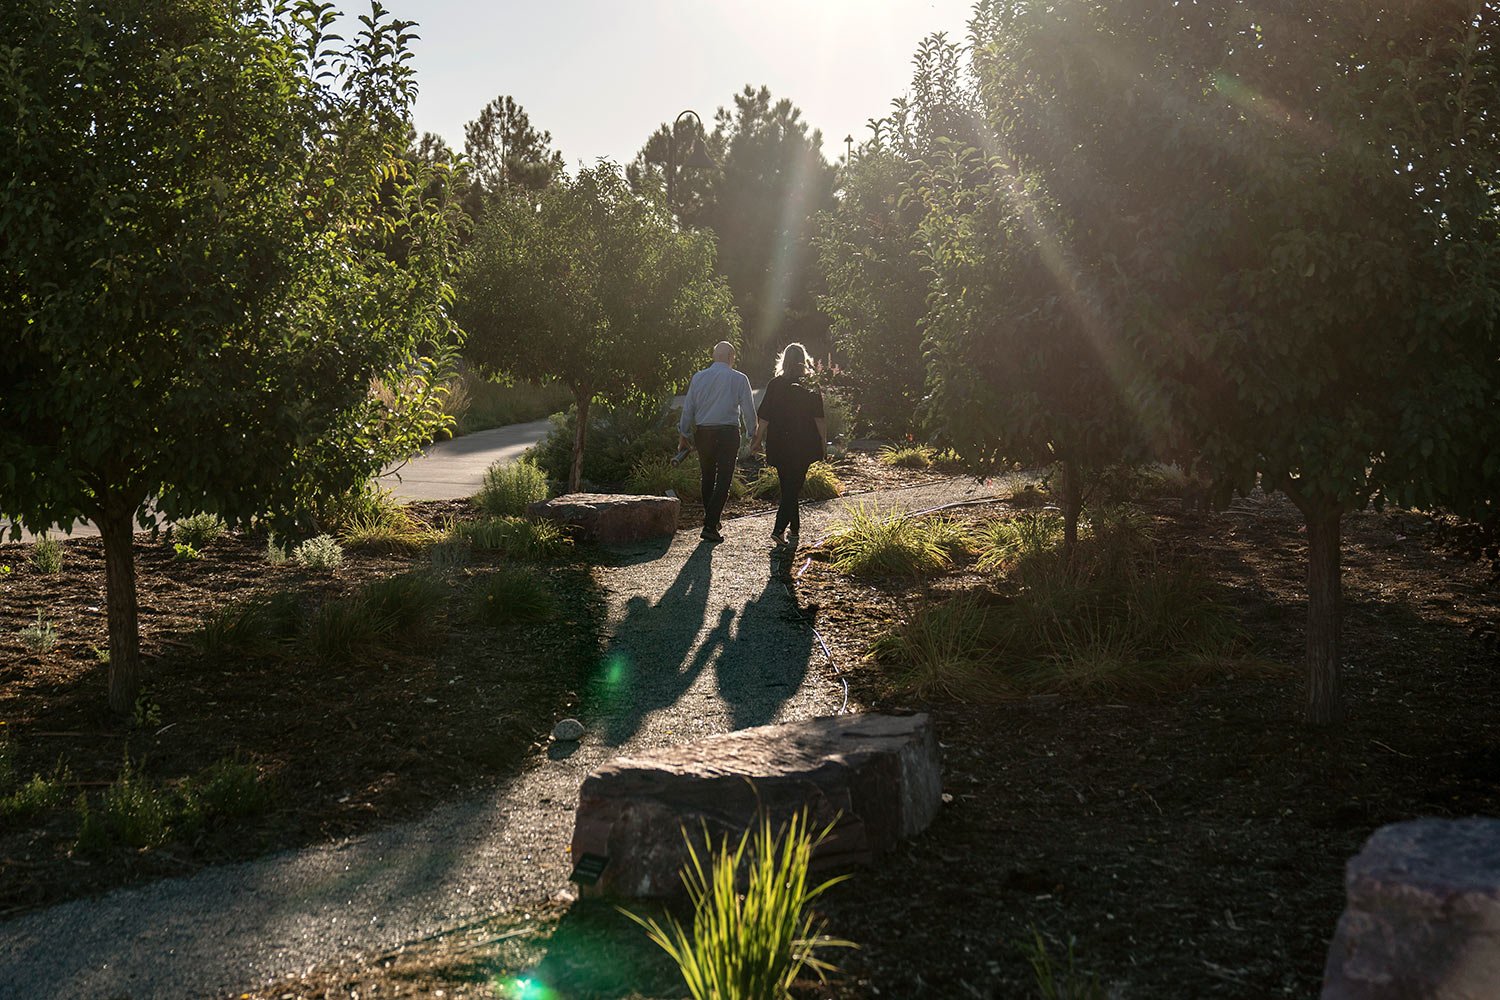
[872, 249]
[761, 204]
[196, 208]
[595, 287]
[1278, 219]
[506, 153]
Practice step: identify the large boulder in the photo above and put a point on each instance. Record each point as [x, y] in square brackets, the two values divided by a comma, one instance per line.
[876, 778]
[1422, 918]
[611, 518]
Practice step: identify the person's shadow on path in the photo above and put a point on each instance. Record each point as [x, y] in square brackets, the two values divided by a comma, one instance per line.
[646, 666]
[765, 661]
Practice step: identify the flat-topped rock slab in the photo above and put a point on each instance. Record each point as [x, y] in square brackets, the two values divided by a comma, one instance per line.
[611, 518]
[1422, 920]
[876, 778]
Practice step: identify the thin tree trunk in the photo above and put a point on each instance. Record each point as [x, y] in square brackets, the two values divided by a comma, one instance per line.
[117, 531]
[1070, 499]
[575, 475]
[1325, 700]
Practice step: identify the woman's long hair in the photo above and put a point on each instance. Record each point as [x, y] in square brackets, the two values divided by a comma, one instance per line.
[792, 361]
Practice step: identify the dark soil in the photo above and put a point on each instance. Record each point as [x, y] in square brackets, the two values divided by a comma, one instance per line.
[345, 748]
[1189, 845]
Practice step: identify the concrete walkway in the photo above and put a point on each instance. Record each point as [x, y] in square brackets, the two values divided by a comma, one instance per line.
[703, 639]
[447, 470]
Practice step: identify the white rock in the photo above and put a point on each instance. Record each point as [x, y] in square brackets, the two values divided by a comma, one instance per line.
[567, 730]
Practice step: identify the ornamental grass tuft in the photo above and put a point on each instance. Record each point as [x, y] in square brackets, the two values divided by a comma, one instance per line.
[870, 543]
[750, 944]
[822, 483]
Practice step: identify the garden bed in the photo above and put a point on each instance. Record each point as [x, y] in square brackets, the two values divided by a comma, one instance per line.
[340, 746]
[1190, 843]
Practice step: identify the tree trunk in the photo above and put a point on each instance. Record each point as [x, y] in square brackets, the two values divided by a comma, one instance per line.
[575, 475]
[1070, 499]
[117, 531]
[1325, 701]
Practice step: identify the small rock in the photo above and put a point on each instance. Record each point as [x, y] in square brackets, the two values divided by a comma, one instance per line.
[567, 730]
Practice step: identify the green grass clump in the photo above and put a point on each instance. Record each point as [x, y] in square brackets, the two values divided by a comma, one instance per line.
[134, 812]
[227, 789]
[946, 648]
[750, 944]
[822, 483]
[513, 595]
[655, 475]
[321, 552]
[907, 456]
[1117, 618]
[387, 528]
[398, 610]
[257, 626]
[199, 530]
[40, 637]
[1054, 982]
[509, 488]
[19, 803]
[516, 537]
[1003, 543]
[405, 605]
[47, 555]
[870, 543]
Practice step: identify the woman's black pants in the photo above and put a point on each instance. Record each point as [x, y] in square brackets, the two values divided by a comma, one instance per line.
[787, 515]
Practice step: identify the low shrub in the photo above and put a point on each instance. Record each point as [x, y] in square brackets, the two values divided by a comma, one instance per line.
[47, 555]
[906, 456]
[257, 626]
[516, 537]
[199, 531]
[321, 552]
[750, 944]
[822, 483]
[183, 552]
[276, 553]
[448, 554]
[1030, 496]
[870, 543]
[513, 595]
[40, 637]
[619, 437]
[509, 487]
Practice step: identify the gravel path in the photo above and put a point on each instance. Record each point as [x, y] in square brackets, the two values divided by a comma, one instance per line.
[704, 639]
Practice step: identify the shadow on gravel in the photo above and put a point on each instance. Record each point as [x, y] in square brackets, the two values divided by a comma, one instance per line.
[764, 661]
[646, 667]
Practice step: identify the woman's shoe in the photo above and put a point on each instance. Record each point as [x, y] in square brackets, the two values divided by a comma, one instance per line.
[779, 537]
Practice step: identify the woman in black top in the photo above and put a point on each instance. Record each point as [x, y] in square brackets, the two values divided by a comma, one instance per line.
[791, 425]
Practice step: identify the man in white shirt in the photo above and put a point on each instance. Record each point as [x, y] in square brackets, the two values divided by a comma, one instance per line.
[719, 403]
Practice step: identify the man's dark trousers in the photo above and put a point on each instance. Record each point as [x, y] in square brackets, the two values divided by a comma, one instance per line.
[718, 446]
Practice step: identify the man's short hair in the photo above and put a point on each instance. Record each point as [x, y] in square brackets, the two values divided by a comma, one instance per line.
[723, 351]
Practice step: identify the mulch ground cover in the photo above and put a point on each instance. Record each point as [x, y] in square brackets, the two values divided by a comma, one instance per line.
[1188, 844]
[345, 747]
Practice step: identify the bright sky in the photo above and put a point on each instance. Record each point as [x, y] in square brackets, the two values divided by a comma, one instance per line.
[601, 75]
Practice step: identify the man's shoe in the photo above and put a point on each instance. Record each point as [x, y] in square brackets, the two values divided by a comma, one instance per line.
[710, 535]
